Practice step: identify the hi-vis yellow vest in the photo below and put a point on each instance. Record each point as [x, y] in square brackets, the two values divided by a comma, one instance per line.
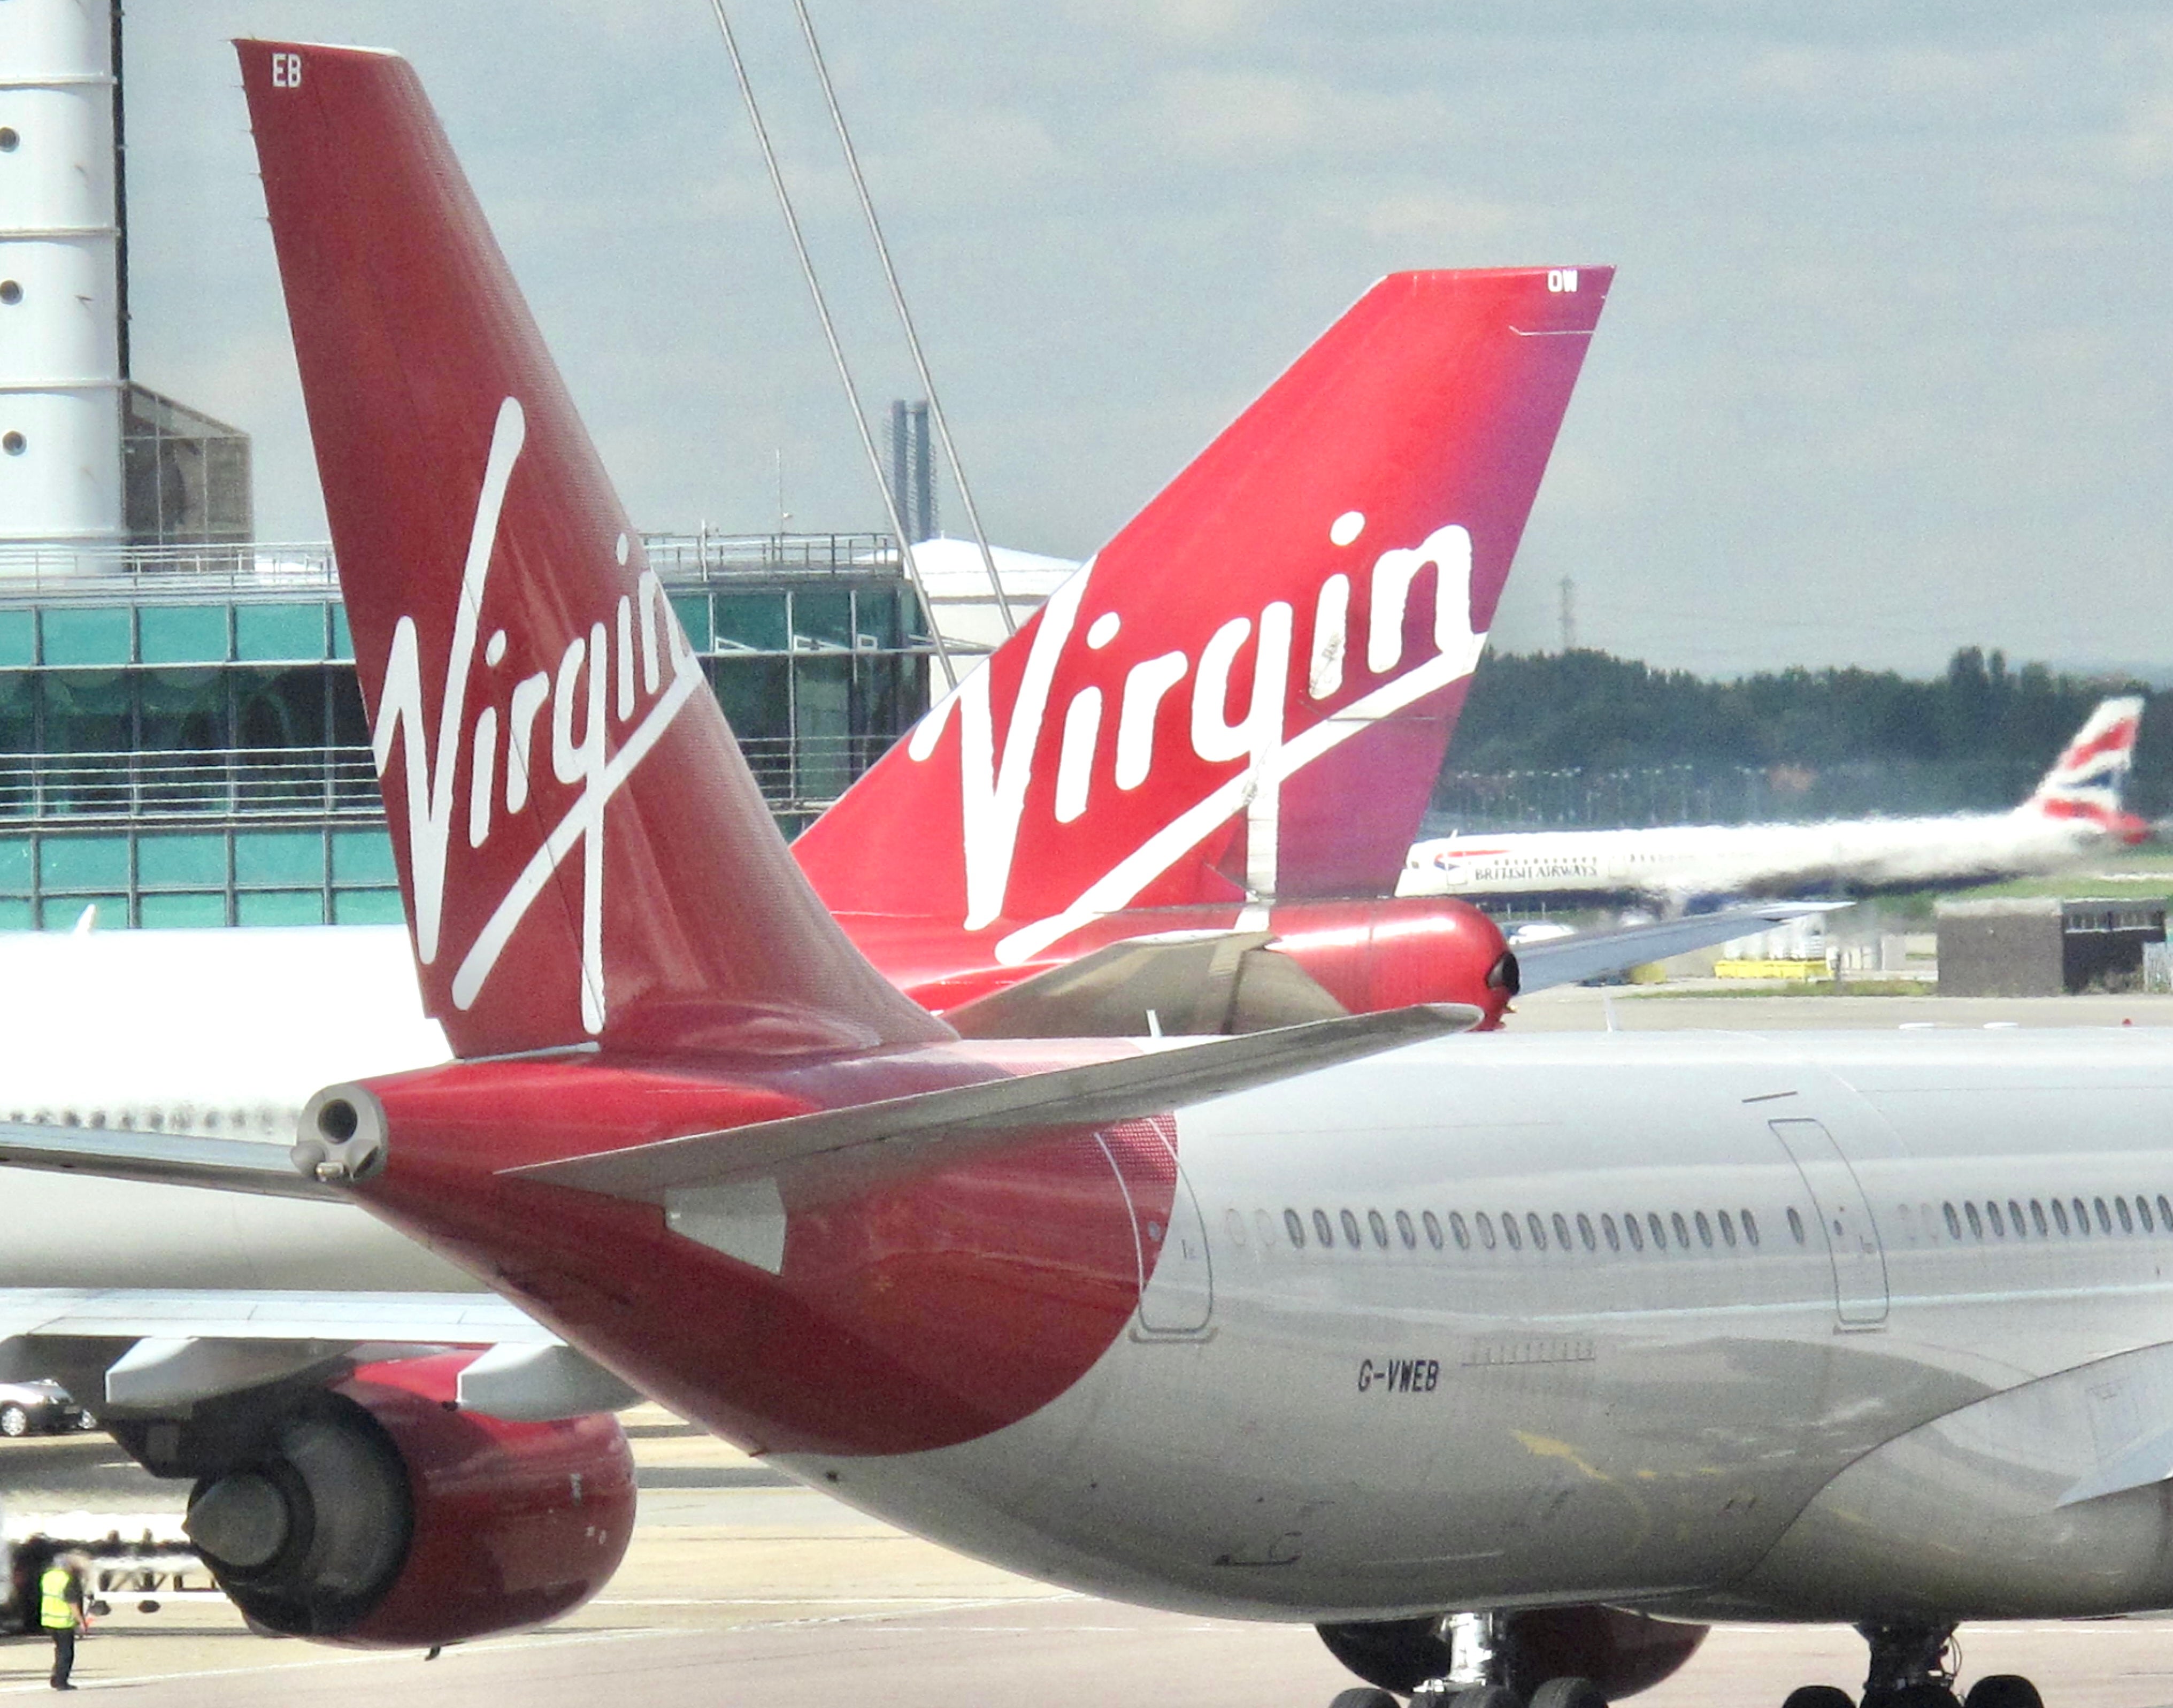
[54, 1613]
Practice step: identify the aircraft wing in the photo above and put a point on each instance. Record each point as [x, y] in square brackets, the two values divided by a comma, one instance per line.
[155, 1350]
[1594, 954]
[134, 1313]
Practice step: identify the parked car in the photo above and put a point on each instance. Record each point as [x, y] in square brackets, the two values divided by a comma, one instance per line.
[39, 1409]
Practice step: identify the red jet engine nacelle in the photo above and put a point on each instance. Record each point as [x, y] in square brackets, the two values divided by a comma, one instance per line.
[1378, 955]
[378, 1515]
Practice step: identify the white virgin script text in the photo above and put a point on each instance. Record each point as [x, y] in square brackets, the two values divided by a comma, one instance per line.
[597, 682]
[993, 782]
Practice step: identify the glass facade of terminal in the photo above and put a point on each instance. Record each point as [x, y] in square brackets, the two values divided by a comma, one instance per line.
[186, 750]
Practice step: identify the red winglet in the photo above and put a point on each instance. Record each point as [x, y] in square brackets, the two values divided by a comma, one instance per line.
[583, 853]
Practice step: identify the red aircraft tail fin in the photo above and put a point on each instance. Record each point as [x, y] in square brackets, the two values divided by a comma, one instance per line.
[1250, 689]
[583, 851]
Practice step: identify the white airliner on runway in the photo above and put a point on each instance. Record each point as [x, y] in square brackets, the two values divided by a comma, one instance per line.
[2074, 812]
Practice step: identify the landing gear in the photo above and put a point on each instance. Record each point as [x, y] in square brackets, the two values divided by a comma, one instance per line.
[1912, 1666]
[1456, 1661]
[1909, 1665]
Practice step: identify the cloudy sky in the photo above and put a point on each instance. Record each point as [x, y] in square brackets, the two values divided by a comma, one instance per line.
[1884, 371]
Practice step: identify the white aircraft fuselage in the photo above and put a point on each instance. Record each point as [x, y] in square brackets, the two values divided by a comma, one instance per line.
[212, 1034]
[1679, 863]
[1890, 1337]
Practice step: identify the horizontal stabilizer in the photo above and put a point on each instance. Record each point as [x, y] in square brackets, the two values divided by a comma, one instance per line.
[1595, 954]
[162, 1159]
[1094, 1096]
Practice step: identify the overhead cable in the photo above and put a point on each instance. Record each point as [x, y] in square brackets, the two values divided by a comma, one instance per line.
[904, 316]
[830, 337]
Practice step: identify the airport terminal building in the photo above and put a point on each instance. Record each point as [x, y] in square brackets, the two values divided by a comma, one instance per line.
[182, 742]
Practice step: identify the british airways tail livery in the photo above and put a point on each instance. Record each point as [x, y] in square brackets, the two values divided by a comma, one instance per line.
[2074, 813]
[1247, 694]
[2085, 781]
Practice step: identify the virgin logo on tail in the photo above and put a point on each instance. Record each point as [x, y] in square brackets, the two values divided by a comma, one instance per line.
[1272, 741]
[633, 671]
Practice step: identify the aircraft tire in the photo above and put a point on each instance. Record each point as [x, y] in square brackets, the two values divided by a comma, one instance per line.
[1363, 1696]
[2002, 1690]
[1818, 1696]
[1568, 1693]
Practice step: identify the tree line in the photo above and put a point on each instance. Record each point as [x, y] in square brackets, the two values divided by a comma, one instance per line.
[1979, 720]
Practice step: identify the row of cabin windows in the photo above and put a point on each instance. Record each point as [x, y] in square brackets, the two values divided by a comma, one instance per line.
[2045, 1217]
[183, 1118]
[1675, 1230]
[1720, 1229]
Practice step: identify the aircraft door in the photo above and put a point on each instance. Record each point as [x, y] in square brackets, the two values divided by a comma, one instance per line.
[1177, 1291]
[1852, 1236]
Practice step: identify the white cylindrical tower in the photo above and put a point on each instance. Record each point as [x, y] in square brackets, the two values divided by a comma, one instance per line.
[61, 382]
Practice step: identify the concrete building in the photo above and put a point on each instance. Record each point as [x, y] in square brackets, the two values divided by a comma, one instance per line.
[955, 581]
[90, 461]
[182, 740]
[62, 318]
[2042, 945]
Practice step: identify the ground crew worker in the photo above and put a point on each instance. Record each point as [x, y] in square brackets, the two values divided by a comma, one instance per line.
[60, 1612]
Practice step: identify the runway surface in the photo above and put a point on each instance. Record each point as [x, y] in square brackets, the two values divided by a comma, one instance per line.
[1070, 1654]
[744, 1588]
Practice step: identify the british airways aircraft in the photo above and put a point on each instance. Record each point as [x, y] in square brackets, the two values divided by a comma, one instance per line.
[1508, 1363]
[2074, 813]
